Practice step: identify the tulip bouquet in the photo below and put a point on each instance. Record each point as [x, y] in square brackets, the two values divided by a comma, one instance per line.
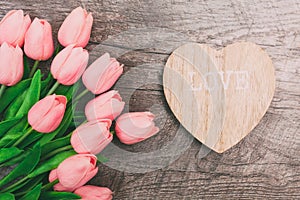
[49, 156]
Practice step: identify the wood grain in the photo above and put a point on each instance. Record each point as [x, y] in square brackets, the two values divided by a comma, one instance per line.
[219, 96]
[265, 164]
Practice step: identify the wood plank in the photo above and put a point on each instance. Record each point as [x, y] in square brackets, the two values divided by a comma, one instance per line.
[265, 165]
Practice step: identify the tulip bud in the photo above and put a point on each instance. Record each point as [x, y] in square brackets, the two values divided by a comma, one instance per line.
[90, 192]
[69, 64]
[38, 40]
[13, 27]
[76, 29]
[102, 74]
[135, 127]
[92, 137]
[106, 106]
[46, 115]
[11, 64]
[74, 172]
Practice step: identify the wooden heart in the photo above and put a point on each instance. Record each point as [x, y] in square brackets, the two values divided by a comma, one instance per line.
[219, 96]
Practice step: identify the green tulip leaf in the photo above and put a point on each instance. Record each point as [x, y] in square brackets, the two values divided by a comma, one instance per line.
[17, 187]
[61, 129]
[25, 167]
[51, 163]
[28, 185]
[26, 68]
[67, 91]
[14, 133]
[7, 196]
[15, 106]
[102, 158]
[30, 139]
[9, 153]
[45, 84]
[33, 194]
[8, 124]
[59, 196]
[16, 159]
[12, 92]
[55, 144]
[32, 95]
[10, 138]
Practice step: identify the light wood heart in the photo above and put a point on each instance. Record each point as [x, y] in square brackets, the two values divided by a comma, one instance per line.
[219, 96]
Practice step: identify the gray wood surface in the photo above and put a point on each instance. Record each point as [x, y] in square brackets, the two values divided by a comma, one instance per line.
[142, 34]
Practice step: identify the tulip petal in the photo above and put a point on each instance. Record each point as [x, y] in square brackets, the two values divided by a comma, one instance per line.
[90, 192]
[135, 127]
[93, 73]
[106, 106]
[53, 175]
[73, 67]
[71, 27]
[59, 60]
[11, 26]
[48, 46]
[46, 115]
[75, 170]
[51, 120]
[26, 23]
[38, 40]
[84, 36]
[109, 77]
[91, 137]
[40, 109]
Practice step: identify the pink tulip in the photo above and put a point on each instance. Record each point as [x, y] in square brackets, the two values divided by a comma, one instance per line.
[38, 40]
[46, 115]
[135, 127]
[76, 29]
[106, 106]
[102, 74]
[92, 137]
[90, 192]
[13, 27]
[11, 64]
[69, 64]
[74, 172]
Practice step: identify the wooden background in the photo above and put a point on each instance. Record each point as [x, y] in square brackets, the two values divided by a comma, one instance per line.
[265, 165]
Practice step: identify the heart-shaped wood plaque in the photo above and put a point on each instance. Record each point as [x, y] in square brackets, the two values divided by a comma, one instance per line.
[219, 96]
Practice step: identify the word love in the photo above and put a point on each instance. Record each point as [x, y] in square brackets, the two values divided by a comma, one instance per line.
[239, 80]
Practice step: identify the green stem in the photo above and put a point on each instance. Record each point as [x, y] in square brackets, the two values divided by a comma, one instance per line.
[15, 184]
[69, 147]
[50, 185]
[35, 65]
[23, 137]
[2, 89]
[54, 87]
[83, 93]
[56, 50]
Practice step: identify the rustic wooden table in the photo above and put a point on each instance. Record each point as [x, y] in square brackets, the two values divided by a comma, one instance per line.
[142, 34]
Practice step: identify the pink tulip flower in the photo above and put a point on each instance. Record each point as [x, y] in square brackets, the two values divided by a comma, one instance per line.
[92, 137]
[46, 115]
[102, 74]
[38, 40]
[106, 106]
[90, 192]
[74, 172]
[76, 29]
[135, 127]
[13, 27]
[69, 64]
[11, 64]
